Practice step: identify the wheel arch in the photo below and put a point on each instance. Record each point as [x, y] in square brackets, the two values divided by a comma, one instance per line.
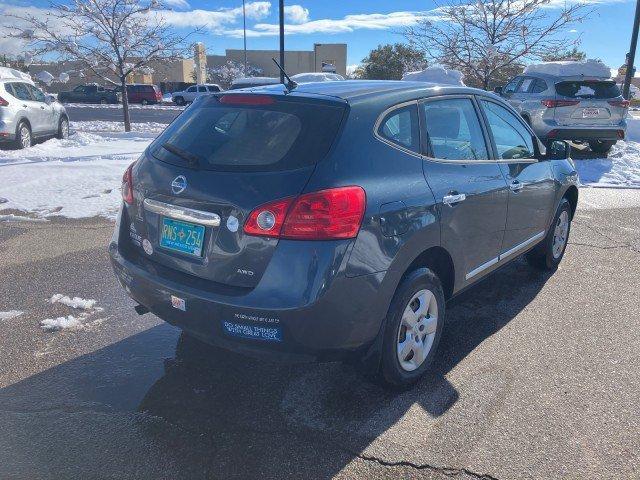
[25, 120]
[438, 260]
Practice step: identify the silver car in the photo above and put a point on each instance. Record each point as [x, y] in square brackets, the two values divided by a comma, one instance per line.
[580, 108]
[27, 114]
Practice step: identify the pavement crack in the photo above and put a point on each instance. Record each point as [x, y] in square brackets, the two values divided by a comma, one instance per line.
[448, 471]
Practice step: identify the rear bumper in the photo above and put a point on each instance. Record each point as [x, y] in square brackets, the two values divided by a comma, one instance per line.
[321, 315]
[551, 130]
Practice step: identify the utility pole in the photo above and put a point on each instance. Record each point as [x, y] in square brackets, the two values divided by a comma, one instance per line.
[632, 54]
[244, 29]
[282, 39]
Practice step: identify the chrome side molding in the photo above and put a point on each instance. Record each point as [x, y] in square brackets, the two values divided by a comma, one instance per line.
[208, 219]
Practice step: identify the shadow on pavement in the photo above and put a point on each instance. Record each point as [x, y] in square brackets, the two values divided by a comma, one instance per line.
[226, 416]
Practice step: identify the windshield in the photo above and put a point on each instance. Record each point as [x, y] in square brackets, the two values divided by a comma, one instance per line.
[278, 136]
[588, 89]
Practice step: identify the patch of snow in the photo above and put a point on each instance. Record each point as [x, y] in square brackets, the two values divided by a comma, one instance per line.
[316, 77]
[587, 68]
[132, 106]
[75, 302]
[437, 75]
[103, 126]
[10, 314]
[620, 169]
[60, 323]
[7, 73]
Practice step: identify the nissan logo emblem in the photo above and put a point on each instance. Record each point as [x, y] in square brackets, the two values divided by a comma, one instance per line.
[179, 184]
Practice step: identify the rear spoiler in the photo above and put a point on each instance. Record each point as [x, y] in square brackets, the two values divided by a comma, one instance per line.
[583, 78]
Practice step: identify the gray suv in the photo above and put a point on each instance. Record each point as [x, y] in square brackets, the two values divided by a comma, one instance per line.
[27, 114]
[335, 220]
[570, 108]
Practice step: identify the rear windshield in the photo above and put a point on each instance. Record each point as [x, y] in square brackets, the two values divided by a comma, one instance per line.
[588, 89]
[281, 136]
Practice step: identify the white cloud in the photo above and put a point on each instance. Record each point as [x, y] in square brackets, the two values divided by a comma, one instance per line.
[349, 23]
[182, 4]
[296, 14]
[214, 20]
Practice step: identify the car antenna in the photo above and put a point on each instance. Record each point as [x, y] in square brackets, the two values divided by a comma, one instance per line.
[290, 85]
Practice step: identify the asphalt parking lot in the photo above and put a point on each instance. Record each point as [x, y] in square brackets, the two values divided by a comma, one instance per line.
[538, 377]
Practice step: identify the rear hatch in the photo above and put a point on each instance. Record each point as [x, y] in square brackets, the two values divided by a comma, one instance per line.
[588, 102]
[225, 155]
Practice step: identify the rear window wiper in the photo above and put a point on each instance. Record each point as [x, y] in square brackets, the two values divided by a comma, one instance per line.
[192, 159]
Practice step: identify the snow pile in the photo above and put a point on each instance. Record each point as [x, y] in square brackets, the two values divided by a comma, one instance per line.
[316, 77]
[103, 126]
[10, 314]
[60, 323]
[437, 75]
[587, 68]
[75, 302]
[13, 74]
[620, 169]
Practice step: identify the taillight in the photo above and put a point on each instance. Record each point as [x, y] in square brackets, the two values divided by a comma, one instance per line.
[619, 103]
[3, 102]
[127, 185]
[335, 213]
[240, 99]
[551, 103]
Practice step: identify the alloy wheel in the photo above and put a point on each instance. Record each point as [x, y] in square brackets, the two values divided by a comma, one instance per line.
[64, 128]
[25, 136]
[417, 330]
[560, 234]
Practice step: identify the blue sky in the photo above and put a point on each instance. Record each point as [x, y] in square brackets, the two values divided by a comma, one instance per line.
[361, 24]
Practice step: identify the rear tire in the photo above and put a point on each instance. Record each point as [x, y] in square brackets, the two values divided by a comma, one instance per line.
[548, 253]
[179, 101]
[413, 328]
[601, 146]
[103, 101]
[63, 129]
[24, 138]
[144, 102]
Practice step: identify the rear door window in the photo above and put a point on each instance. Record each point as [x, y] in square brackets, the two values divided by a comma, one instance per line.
[281, 135]
[401, 127]
[202, 89]
[539, 86]
[513, 140]
[213, 89]
[512, 86]
[525, 85]
[21, 91]
[453, 130]
[588, 89]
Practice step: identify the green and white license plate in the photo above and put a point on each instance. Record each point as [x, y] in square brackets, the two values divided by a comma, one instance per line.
[182, 236]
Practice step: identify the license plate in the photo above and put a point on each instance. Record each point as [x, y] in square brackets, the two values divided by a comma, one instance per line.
[182, 237]
[255, 332]
[590, 112]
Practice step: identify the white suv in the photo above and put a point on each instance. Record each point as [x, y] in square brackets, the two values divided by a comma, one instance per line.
[188, 95]
[26, 113]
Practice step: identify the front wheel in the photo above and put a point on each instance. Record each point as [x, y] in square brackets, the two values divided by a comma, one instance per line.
[601, 146]
[63, 129]
[24, 138]
[413, 328]
[548, 253]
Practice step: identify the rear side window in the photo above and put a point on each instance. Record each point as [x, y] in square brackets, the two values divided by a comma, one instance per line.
[588, 89]
[213, 89]
[202, 89]
[401, 127]
[513, 141]
[512, 85]
[524, 86]
[283, 135]
[539, 86]
[453, 130]
[21, 91]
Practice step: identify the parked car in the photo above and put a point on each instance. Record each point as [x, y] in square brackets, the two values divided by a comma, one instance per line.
[143, 93]
[27, 114]
[581, 108]
[90, 94]
[316, 77]
[251, 82]
[188, 95]
[334, 221]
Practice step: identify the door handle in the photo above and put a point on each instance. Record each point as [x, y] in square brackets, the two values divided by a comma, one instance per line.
[516, 186]
[24, 105]
[453, 198]
[42, 107]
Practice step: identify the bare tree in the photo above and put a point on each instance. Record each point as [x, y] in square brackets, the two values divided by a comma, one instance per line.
[111, 38]
[225, 74]
[489, 39]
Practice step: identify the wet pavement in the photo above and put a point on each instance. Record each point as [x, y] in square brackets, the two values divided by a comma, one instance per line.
[537, 378]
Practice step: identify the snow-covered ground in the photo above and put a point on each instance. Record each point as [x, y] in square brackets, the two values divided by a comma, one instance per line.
[133, 106]
[81, 176]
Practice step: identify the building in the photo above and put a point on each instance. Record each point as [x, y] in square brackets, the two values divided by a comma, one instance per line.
[295, 61]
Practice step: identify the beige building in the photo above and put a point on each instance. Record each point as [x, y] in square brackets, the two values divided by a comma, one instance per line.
[296, 61]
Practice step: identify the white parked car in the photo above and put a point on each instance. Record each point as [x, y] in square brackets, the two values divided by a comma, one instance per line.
[188, 95]
[26, 113]
[316, 77]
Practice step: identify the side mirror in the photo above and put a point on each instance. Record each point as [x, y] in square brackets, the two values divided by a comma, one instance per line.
[498, 90]
[558, 150]
[49, 99]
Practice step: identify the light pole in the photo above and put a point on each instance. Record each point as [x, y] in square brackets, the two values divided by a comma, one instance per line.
[244, 29]
[632, 53]
[282, 40]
